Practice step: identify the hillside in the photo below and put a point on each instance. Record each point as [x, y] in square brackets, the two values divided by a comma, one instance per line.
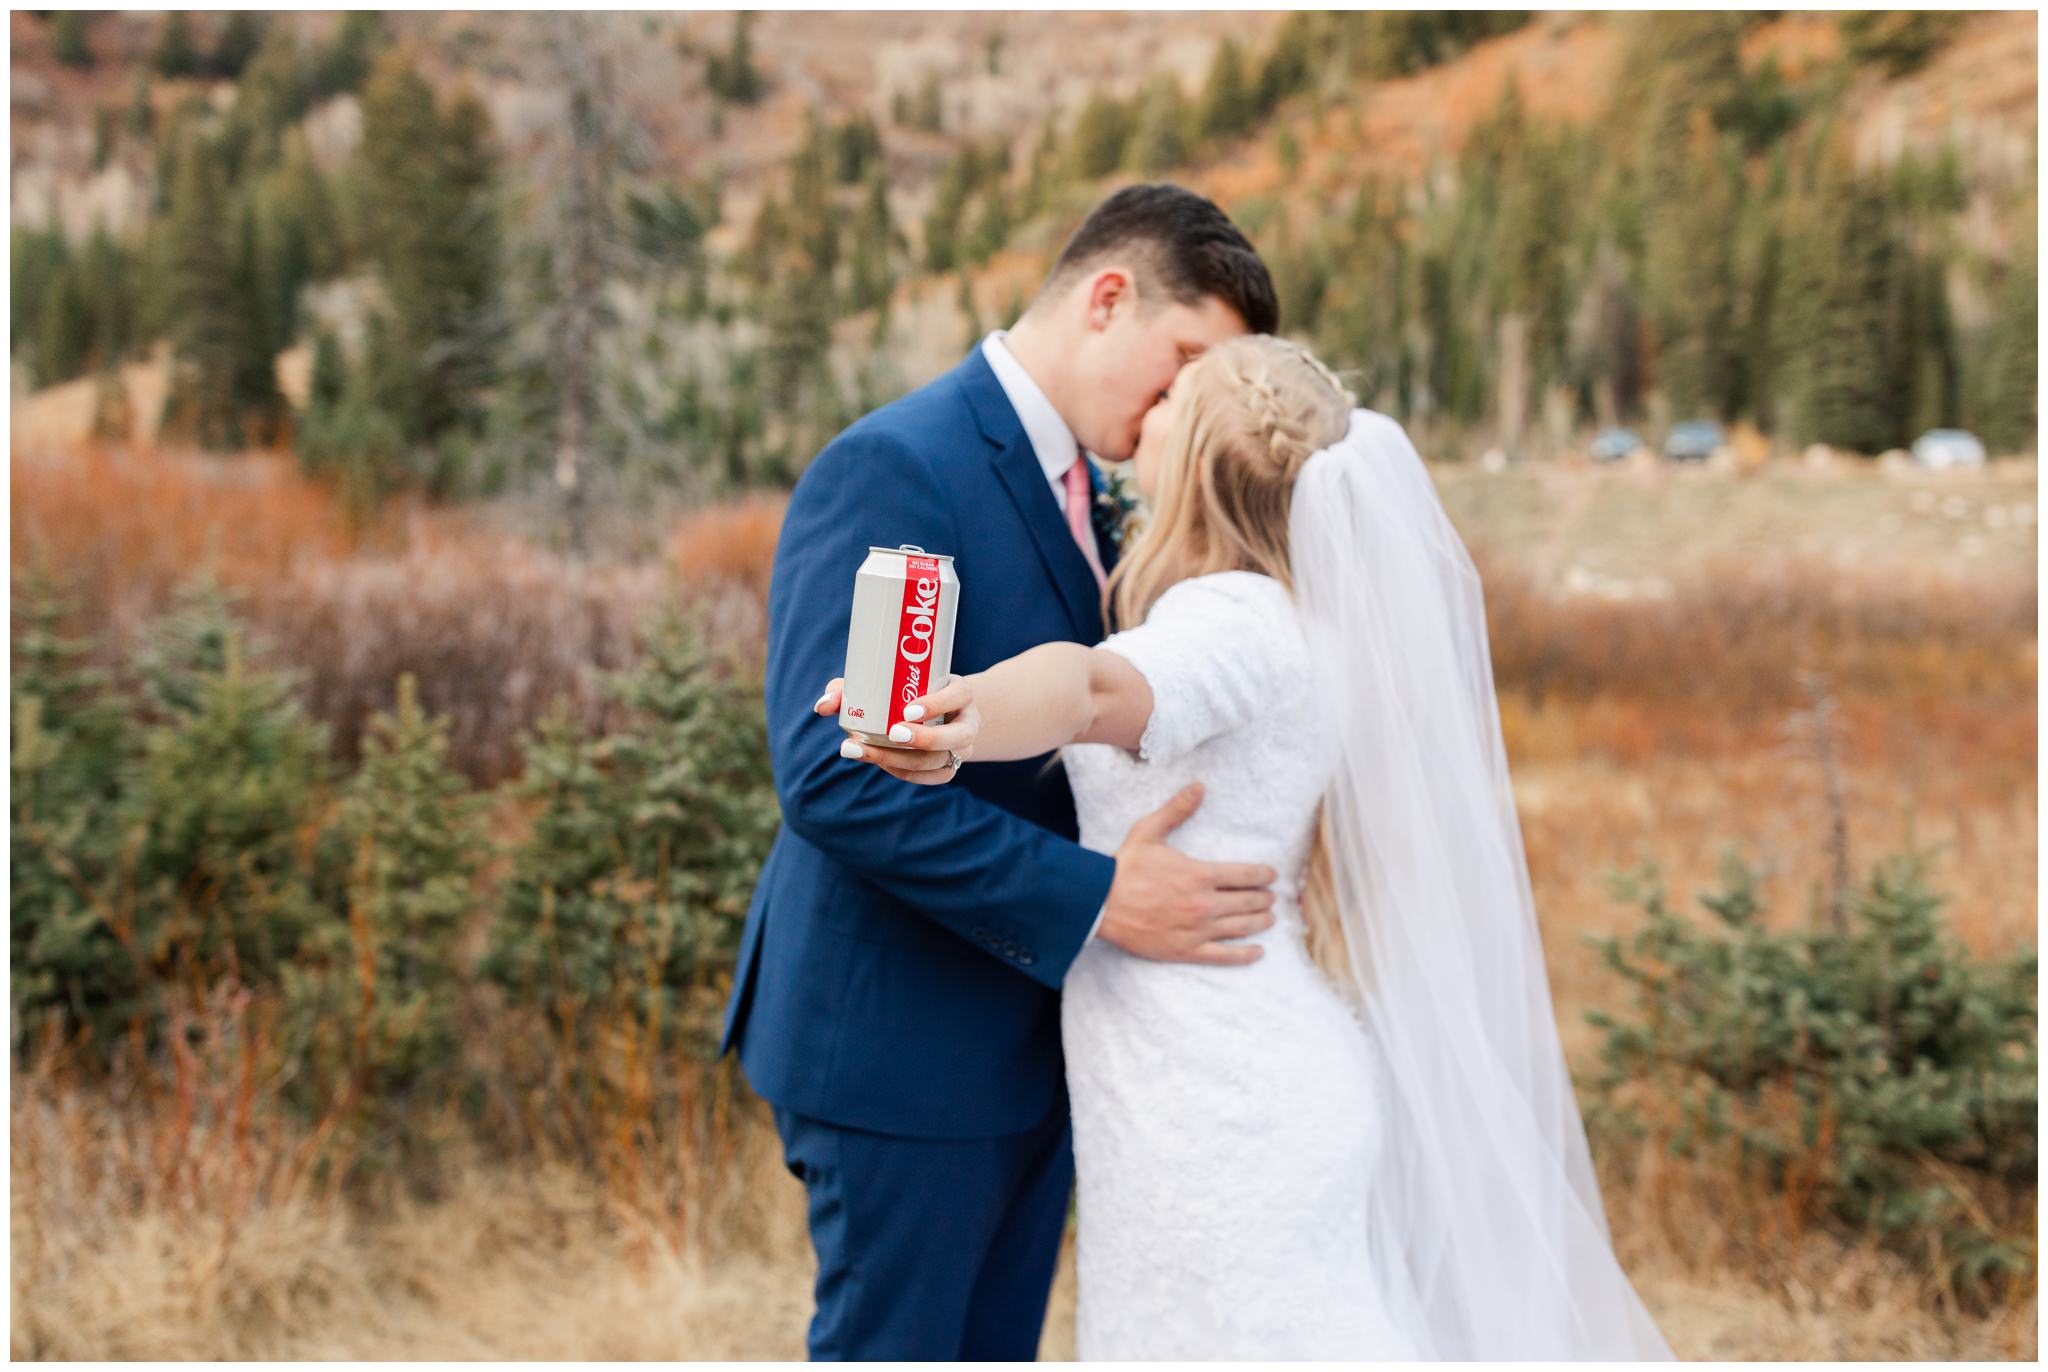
[966, 111]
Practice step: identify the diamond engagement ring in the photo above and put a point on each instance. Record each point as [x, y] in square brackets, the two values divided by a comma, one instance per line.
[953, 760]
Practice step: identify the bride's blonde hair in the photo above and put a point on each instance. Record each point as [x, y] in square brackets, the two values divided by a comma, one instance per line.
[1252, 411]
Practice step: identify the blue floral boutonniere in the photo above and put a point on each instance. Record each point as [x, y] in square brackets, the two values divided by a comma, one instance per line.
[1116, 506]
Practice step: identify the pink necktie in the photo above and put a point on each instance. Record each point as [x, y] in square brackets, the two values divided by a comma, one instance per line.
[1077, 518]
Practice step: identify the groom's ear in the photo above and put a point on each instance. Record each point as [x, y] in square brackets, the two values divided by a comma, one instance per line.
[1110, 288]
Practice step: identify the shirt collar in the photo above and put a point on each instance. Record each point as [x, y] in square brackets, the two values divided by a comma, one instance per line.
[1050, 437]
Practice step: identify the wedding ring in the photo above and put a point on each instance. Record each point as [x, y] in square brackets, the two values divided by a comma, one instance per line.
[953, 760]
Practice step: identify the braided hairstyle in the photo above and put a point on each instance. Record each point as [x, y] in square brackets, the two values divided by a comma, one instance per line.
[1253, 411]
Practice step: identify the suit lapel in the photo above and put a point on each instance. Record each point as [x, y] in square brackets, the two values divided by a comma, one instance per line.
[1016, 466]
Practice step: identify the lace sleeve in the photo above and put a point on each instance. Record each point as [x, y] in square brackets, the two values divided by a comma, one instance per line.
[1216, 650]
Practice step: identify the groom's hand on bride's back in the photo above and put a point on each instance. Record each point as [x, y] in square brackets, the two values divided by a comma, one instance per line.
[1169, 907]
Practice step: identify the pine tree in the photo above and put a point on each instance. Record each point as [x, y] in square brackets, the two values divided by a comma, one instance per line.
[2011, 411]
[1159, 143]
[74, 751]
[344, 63]
[929, 114]
[175, 56]
[64, 332]
[241, 34]
[991, 225]
[105, 128]
[257, 399]
[377, 993]
[732, 75]
[208, 343]
[429, 224]
[1689, 274]
[1043, 173]
[69, 41]
[107, 277]
[871, 271]
[1099, 138]
[141, 114]
[1841, 308]
[229, 779]
[1227, 105]
[1289, 65]
[630, 889]
[1900, 42]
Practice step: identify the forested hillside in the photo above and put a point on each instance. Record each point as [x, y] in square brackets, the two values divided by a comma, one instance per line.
[470, 253]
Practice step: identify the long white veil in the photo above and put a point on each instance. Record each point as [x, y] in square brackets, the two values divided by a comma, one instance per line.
[1488, 1222]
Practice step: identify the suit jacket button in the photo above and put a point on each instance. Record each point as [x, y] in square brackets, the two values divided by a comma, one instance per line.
[1027, 957]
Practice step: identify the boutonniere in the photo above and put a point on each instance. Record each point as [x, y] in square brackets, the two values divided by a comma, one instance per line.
[1116, 505]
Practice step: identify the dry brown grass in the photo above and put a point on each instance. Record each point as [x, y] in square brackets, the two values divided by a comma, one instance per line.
[534, 1259]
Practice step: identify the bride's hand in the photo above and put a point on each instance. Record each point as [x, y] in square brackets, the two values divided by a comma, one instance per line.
[924, 760]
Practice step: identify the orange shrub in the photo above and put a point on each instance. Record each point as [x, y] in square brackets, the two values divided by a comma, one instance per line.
[730, 544]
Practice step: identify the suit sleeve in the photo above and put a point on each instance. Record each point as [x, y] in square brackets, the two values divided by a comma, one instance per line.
[953, 857]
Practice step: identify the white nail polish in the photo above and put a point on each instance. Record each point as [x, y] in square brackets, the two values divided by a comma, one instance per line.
[913, 713]
[850, 749]
[899, 733]
[820, 700]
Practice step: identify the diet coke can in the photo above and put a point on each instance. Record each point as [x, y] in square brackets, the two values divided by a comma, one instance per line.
[900, 641]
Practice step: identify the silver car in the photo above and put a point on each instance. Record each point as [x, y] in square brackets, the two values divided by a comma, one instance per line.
[1948, 448]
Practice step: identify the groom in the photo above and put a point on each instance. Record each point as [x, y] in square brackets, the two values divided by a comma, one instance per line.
[897, 995]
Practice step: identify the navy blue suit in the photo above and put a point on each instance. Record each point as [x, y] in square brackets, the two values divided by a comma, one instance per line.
[897, 995]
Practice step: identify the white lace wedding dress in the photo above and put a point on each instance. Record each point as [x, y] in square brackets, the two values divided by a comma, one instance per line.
[1225, 1118]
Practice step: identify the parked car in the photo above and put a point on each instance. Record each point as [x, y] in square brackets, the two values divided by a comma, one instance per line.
[1692, 440]
[1615, 445]
[1948, 448]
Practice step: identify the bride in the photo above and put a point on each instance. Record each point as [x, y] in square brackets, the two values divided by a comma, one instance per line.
[1364, 1144]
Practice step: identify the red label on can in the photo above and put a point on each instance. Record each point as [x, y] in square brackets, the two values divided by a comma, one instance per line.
[914, 635]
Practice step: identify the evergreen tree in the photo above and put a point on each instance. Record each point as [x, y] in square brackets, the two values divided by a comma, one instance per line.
[1159, 143]
[141, 114]
[874, 245]
[209, 334]
[1291, 63]
[1099, 138]
[732, 75]
[1899, 42]
[1841, 305]
[257, 400]
[1366, 309]
[64, 332]
[1043, 173]
[1227, 100]
[2010, 412]
[74, 751]
[991, 225]
[428, 222]
[344, 63]
[175, 56]
[630, 889]
[377, 994]
[1689, 276]
[107, 280]
[929, 114]
[1760, 270]
[69, 41]
[104, 128]
[241, 34]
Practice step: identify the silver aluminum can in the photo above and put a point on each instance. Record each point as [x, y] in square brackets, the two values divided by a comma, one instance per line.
[900, 641]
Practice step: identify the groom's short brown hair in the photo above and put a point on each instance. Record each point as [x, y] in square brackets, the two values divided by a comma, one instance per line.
[1184, 242]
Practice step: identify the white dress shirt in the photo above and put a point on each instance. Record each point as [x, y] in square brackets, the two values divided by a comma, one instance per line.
[1051, 439]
